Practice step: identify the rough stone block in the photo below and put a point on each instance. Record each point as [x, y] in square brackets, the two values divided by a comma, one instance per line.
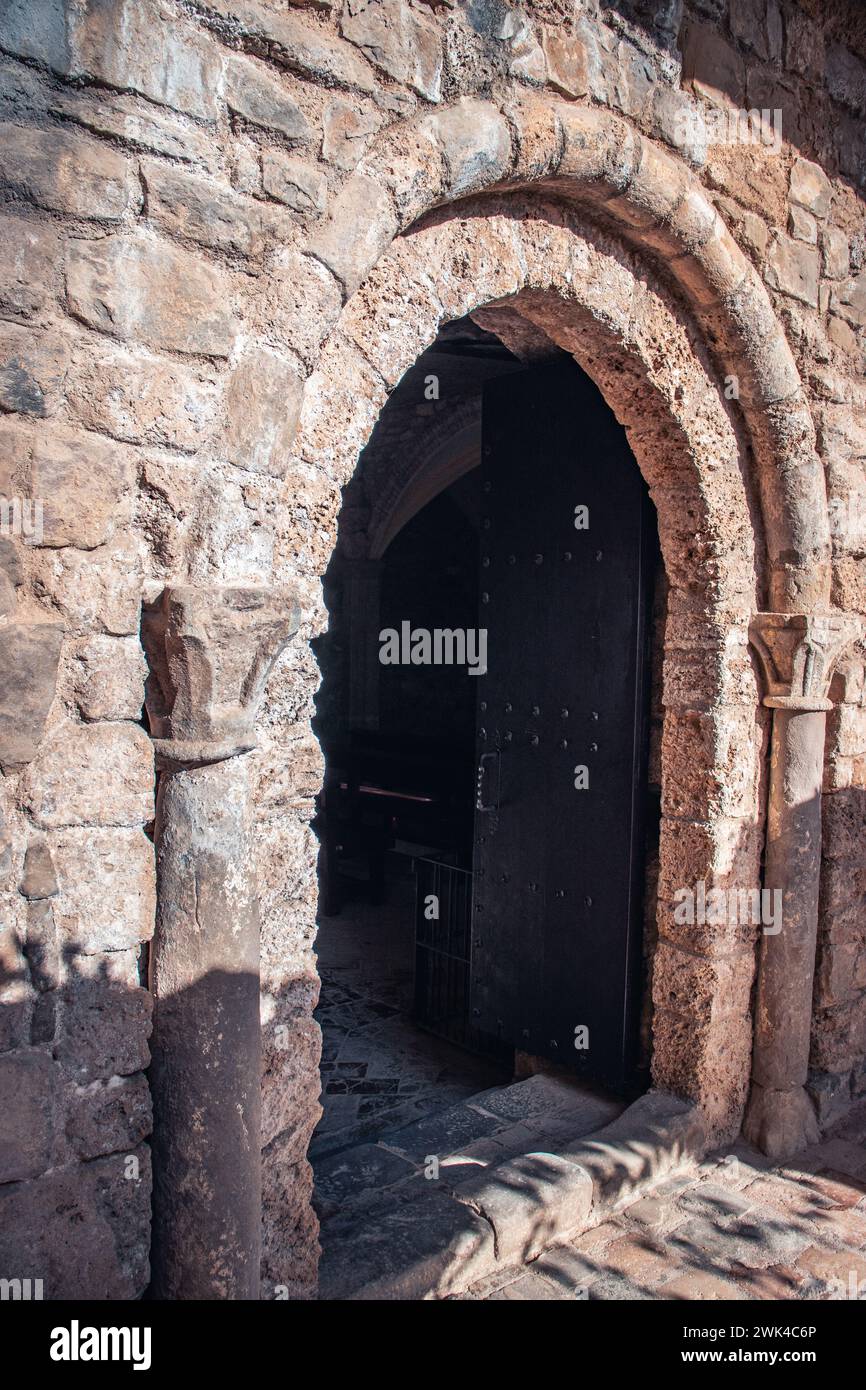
[831, 1096]
[159, 295]
[98, 774]
[567, 65]
[358, 227]
[712, 67]
[849, 300]
[145, 400]
[303, 305]
[793, 268]
[38, 879]
[83, 1230]
[411, 167]
[254, 94]
[42, 948]
[31, 654]
[36, 31]
[125, 118]
[110, 1117]
[346, 133]
[32, 370]
[140, 46]
[185, 205]
[104, 1030]
[476, 143]
[67, 172]
[94, 591]
[704, 988]
[28, 261]
[399, 41]
[810, 187]
[290, 1081]
[802, 225]
[108, 677]
[300, 186]
[838, 1037]
[846, 77]
[709, 764]
[290, 1244]
[27, 1081]
[841, 972]
[107, 883]
[84, 484]
[263, 399]
[295, 43]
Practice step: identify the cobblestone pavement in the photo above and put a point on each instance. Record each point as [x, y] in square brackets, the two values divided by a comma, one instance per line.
[378, 1070]
[735, 1228]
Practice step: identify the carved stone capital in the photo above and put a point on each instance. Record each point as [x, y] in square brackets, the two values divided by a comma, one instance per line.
[210, 653]
[798, 653]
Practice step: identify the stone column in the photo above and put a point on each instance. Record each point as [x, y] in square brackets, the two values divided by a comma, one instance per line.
[797, 654]
[210, 653]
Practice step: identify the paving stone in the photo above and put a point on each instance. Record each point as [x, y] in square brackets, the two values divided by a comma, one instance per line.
[714, 1202]
[795, 1197]
[701, 1286]
[361, 1173]
[839, 1188]
[570, 1270]
[763, 1239]
[648, 1211]
[637, 1258]
[529, 1287]
[598, 1236]
[836, 1270]
[442, 1134]
[845, 1225]
[776, 1282]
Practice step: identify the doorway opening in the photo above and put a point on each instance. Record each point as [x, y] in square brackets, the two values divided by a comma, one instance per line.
[486, 823]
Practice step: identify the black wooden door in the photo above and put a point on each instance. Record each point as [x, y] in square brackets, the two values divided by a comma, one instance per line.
[556, 927]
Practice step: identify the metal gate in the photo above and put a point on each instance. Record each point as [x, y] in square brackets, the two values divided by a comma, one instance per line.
[443, 920]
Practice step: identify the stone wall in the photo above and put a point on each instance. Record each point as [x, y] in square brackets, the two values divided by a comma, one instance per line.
[192, 189]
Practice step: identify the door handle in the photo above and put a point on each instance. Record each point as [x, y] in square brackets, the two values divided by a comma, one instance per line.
[484, 782]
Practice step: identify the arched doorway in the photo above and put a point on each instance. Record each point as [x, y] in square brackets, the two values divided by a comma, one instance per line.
[522, 921]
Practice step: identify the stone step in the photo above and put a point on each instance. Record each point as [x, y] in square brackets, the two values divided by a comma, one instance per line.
[436, 1204]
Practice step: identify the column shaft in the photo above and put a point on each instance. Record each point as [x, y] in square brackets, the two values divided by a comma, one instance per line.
[206, 1072]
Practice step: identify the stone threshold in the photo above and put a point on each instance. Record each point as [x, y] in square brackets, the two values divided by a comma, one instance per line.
[418, 1236]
